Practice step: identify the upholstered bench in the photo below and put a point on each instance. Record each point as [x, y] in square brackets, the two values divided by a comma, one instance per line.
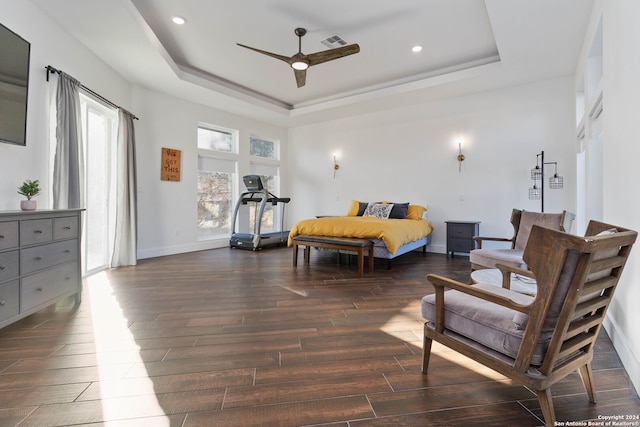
[337, 243]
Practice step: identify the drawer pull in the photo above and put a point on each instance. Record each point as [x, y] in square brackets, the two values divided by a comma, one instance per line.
[38, 258]
[39, 289]
[66, 227]
[2, 267]
[1, 236]
[66, 251]
[2, 302]
[37, 231]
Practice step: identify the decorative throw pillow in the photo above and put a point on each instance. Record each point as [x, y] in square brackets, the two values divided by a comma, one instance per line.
[415, 211]
[378, 210]
[362, 206]
[399, 210]
[353, 208]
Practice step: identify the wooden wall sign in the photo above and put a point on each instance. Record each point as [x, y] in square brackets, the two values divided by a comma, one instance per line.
[170, 167]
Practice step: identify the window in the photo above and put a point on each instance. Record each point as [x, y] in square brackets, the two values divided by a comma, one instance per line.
[265, 162]
[99, 135]
[263, 148]
[217, 181]
[216, 140]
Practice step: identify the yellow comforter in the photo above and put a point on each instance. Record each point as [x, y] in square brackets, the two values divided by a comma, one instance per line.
[394, 232]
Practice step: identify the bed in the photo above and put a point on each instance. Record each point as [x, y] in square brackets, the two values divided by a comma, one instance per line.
[394, 228]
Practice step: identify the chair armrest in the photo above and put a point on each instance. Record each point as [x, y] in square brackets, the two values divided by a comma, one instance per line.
[480, 239]
[516, 270]
[506, 271]
[441, 282]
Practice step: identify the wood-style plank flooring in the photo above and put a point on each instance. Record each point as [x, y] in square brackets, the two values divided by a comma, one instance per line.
[238, 338]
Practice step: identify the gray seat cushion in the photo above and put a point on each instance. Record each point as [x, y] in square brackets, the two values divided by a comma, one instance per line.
[486, 323]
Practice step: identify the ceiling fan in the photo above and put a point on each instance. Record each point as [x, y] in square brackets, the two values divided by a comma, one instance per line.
[300, 62]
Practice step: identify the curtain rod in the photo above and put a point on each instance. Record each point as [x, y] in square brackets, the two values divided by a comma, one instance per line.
[51, 69]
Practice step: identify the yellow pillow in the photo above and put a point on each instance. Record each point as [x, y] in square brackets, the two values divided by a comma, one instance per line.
[353, 209]
[415, 211]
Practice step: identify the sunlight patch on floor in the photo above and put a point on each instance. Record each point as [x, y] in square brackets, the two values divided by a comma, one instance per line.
[110, 329]
[437, 349]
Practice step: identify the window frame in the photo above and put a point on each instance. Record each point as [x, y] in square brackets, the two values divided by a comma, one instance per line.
[225, 156]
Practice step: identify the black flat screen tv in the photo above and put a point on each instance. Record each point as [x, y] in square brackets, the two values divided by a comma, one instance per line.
[14, 86]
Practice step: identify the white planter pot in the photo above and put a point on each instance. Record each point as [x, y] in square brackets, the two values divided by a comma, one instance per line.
[28, 205]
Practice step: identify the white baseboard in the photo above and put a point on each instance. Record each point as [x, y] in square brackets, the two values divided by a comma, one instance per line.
[629, 360]
[179, 249]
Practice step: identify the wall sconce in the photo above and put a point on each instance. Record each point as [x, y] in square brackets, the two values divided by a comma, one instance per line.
[556, 182]
[460, 157]
[336, 166]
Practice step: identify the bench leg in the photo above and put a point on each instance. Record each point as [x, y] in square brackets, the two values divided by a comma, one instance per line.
[371, 259]
[360, 262]
[295, 254]
[307, 252]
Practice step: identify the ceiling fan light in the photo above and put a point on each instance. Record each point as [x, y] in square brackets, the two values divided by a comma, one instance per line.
[299, 65]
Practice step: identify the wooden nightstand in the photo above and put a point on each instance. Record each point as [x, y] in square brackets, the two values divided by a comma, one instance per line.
[460, 236]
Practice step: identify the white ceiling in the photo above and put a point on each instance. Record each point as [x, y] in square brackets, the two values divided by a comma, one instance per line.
[467, 45]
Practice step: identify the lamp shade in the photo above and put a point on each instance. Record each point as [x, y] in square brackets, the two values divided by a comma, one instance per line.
[536, 173]
[556, 182]
[535, 193]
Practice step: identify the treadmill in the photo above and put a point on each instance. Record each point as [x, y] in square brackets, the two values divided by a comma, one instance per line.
[256, 193]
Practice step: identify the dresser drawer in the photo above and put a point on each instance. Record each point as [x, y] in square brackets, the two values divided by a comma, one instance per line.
[45, 286]
[65, 227]
[36, 231]
[9, 299]
[460, 245]
[38, 257]
[9, 265]
[461, 230]
[8, 234]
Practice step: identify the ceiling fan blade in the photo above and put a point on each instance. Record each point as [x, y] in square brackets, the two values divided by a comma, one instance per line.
[264, 52]
[301, 77]
[331, 54]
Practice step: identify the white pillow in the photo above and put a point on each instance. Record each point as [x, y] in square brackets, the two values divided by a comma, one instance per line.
[378, 210]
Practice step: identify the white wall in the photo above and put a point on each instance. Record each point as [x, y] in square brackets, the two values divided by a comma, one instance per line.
[621, 153]
[50, 45]
[409, 154]
[167, 210]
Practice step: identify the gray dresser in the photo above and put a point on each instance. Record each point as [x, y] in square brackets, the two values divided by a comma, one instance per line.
[39, 260]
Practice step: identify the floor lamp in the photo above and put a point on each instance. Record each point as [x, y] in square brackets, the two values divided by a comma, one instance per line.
[556, 182]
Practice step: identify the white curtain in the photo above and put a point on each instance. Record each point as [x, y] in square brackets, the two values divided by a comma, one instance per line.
[68, 179]
[125, 247]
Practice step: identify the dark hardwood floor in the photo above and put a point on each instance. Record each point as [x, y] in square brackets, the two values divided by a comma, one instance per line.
[238, 338]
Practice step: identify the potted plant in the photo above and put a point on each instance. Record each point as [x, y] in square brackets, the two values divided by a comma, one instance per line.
[29, 189]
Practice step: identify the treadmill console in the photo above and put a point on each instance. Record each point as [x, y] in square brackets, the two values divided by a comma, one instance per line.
[253, 182]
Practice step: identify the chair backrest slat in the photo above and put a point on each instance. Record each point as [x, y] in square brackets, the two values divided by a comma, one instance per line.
[581, 325]
[585, 308]
[575, 344]
[599, 285]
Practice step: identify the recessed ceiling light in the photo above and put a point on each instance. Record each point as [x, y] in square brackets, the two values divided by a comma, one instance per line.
[416, 49]
[178, 20]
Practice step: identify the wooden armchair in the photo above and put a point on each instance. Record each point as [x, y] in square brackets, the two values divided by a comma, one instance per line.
[535, 341]
[522, 222]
